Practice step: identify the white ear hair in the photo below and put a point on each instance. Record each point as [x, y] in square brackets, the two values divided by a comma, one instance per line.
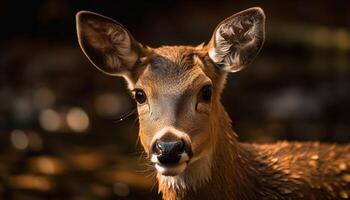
[107, 44]
[221, 56]
[238, 39]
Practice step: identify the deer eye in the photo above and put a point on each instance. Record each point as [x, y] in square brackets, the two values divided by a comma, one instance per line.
[140, 96]
[206, 93]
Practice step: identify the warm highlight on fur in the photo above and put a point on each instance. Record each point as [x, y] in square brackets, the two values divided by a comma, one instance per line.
[274, 171]
[211, 163]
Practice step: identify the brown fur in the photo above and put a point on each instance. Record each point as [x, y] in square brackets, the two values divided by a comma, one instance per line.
[273, 171]
[221, 168]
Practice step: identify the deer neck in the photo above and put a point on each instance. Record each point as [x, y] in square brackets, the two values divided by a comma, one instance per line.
[231, 174]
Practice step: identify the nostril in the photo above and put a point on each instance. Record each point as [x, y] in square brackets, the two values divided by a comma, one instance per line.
[179, 146]
[157, 147]
[176, 147]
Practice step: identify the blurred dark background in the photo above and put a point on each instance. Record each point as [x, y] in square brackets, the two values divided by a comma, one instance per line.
[59, 132]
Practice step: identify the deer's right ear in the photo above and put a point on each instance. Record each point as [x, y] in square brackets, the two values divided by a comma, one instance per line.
[238, 39]
[107, 44]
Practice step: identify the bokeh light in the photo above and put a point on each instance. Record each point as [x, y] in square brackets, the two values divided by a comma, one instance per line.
[77, 120]
[28, 181]
[50, 120]
[19, 139]
[47, 165]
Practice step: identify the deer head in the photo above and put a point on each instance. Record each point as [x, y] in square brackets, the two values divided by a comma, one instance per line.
[177, 88]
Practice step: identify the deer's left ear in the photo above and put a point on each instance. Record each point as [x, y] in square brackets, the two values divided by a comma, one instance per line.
[238, 39]
[107, 44]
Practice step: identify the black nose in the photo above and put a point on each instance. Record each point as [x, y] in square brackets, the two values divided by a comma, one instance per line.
[168, 152]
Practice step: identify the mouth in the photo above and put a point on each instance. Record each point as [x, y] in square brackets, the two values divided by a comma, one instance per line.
[173, 169]
[170, 170]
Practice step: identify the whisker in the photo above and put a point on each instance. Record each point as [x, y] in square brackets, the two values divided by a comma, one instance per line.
[137, 142]
[136, 120]
[155, 182]
[126, 115]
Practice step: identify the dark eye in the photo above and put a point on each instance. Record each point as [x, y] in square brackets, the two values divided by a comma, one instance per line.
[206, 93]
[140, 96]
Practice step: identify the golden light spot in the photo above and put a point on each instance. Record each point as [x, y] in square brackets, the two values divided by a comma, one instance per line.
[343, 166]
[344, 194]
[313, 163]
[33, 182]
[49, 120]
[47, 165]
[296, 176]
[77, 120]
[314, 157]
[275, 167]
[346, 177]
[19, 139]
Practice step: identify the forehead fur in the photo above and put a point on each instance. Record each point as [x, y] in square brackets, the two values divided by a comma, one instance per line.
[173, 59]
[173, 65]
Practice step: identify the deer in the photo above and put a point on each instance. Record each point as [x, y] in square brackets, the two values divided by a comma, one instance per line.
[184, 129]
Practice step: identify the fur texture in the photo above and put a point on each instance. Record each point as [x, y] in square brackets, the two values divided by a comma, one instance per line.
[172, 78]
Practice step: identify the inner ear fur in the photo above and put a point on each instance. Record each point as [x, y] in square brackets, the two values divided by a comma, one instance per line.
[238, 39]
[107, 44]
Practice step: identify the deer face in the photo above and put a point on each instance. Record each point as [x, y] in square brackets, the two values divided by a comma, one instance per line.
[177, 88]
[175, 95]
